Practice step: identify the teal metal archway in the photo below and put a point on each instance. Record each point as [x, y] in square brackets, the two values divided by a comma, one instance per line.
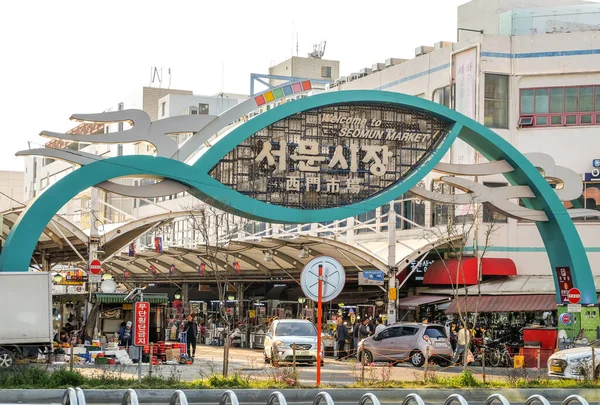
[560, 237]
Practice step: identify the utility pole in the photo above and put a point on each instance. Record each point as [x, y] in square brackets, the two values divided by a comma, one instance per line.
[392, 294]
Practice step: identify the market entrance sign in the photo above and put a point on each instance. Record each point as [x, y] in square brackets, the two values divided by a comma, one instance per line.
[331, 156]
[322, 158]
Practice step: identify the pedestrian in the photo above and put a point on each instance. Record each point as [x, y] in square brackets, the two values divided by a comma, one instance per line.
[462, 340]
[191, 331]
[342, 338]
[364, 330]
[379, 325]
[126, 335]
[355, 332]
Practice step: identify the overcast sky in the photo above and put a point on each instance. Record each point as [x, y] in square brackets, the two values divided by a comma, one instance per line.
[63, 57]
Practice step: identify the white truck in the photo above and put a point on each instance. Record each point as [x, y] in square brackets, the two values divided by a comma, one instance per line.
[25, 315]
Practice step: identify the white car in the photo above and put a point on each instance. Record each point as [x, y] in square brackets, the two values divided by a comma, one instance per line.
[575, 363]
[286, 333]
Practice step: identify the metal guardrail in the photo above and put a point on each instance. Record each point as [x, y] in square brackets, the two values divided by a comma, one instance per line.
[76, 396]
[497, 398]
[229, 396]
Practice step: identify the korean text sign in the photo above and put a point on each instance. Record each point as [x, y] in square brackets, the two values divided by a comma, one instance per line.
[142, 323]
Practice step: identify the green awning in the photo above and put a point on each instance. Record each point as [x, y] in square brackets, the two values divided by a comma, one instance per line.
[156, 298]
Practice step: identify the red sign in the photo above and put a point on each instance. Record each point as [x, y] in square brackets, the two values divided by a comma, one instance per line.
[565, 282]
[141, 313]
[95, 266]
[574, 296]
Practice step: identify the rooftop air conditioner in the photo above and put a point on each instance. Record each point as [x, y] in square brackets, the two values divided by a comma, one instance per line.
[378, 66]
[422, 50]
[366, 71]
[441, 44]
[393, 61]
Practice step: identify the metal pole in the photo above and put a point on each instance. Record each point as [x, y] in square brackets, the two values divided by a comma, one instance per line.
[294, 357]
[141, 298]
[594, 365]
[483, 362]
[151, 357]
[319, 321]
[71, 362]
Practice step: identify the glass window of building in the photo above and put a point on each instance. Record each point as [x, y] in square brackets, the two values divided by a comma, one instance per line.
[553, 106]
[496, 101]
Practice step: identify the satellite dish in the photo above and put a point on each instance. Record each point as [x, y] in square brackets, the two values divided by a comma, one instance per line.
[108, 286]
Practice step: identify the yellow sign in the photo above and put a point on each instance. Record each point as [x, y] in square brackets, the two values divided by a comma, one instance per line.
[392, 294]
[252, 313]
[352, 318]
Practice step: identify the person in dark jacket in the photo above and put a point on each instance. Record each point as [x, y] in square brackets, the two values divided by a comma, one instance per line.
[191, 330]
[126, 335]
[343, 338]
[364, 330]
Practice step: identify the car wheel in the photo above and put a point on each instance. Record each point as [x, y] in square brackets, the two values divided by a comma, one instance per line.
[417, 359]
[443, 363]
[6, 359]
[368, 357]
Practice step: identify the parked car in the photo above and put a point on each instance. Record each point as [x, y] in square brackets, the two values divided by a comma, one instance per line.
[412, 341]
[284, 334]
[575, 363]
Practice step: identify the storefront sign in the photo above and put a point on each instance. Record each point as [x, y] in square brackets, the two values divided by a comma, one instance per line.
[565, 282]
[331, 156]
[252, 314]
[142, 323]
[76, 277]
[68, 289]
[565, 319]
[371, 277]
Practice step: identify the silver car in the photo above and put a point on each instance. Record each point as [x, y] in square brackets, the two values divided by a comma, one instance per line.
[408, 341]
[284, 334]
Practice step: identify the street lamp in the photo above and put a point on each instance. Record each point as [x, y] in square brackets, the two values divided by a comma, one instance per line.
[301, 300]
[379, 303]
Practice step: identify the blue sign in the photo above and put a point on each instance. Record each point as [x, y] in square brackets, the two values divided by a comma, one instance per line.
[596, 163]
[375, 275]
[565, 318]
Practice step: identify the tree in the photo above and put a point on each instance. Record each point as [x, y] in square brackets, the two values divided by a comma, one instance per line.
[457, 232]
[216, 229]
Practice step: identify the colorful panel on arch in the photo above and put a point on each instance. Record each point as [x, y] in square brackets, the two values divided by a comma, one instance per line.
[284, 91]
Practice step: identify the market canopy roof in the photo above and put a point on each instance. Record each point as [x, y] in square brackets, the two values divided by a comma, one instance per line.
[117, 298]
[503, 303]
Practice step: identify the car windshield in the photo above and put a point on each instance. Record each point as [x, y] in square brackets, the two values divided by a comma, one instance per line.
[296, 329]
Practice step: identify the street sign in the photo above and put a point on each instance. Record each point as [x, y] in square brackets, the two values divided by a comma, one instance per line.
[565, 319]
[574, 296]
[322, 280]
[371, 277]
[574, 308]
[95, 266]
[141, 335]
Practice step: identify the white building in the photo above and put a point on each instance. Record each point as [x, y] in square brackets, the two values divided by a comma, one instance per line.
[11, 189]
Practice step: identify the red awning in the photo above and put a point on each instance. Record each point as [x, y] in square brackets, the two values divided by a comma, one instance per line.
[503, 303]
[447, 271]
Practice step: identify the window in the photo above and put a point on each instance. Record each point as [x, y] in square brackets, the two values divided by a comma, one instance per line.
[409, 331]
[203, 108]
[326, 72]
[163, 109]
[388, 333]
[553, 106]
[435, 332]
[490, 214]
[496, 101]
[443, 96]
[590, 199]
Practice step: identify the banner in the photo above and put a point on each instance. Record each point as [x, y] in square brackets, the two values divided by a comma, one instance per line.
[172, 270]
[158, 244]
[132, 249]
[238, 269]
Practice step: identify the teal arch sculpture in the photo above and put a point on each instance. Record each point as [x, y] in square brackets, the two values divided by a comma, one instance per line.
[560, 237]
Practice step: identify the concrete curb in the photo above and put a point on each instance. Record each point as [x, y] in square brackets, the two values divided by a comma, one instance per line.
[39, 396]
